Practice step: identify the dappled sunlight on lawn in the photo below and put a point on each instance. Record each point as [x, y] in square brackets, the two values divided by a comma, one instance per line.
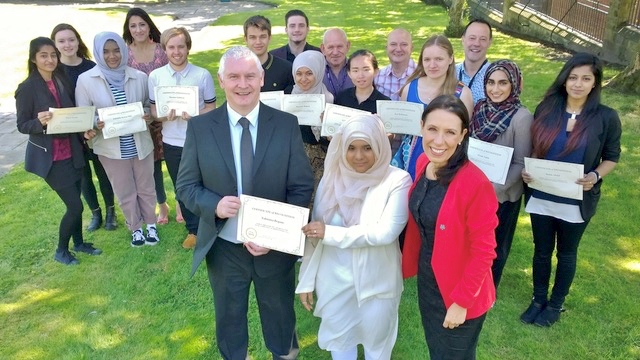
[632, 265]
[29, 299]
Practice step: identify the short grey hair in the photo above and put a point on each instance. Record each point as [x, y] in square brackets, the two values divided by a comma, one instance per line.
[236, 53]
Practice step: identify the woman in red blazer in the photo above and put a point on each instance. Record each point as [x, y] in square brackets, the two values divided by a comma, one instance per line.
[450, 239]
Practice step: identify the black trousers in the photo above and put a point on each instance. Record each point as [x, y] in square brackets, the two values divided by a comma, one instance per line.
[172, 156]
[507, 220]
[231, 272]
[89, 189]
[158, 179]
[547, 232]
[65, 180]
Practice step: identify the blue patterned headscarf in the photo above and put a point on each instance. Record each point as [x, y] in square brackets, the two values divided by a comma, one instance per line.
[491, 119]
[115, 77]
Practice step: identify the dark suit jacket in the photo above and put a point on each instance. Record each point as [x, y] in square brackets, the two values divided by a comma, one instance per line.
[32, 97]
[281, 172]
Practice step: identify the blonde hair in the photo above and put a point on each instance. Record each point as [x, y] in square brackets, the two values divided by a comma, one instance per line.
[450, 81]
[173, 32]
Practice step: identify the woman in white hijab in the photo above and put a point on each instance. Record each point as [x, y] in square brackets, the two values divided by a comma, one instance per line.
[127, 159]
[352, 257]
[308, 72]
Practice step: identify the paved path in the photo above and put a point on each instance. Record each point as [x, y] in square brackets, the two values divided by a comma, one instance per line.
[194, 15]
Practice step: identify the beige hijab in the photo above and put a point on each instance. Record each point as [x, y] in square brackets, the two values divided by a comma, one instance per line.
[342, 189]
[314, 61]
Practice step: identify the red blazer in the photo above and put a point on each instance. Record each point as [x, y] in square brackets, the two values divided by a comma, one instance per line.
[465, 242]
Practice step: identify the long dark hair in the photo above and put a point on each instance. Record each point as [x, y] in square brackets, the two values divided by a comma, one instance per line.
[34, 46]
[452, 104]
[548, 118]
[83, 51]
[154, 33]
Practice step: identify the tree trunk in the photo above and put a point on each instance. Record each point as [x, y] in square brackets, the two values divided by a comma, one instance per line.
[628, 81]
[456, 21]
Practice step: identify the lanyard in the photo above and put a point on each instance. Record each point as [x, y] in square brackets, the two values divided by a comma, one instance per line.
[474, 75]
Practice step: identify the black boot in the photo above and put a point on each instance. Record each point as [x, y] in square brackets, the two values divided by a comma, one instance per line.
[110, 219]
[96, 220]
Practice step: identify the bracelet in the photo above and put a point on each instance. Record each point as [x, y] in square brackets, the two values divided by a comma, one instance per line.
[597, 175]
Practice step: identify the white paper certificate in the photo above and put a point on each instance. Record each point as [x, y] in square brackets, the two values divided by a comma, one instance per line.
[555, 177]
[272, 98]
[307, 107]
[272, 224]
[71, 120]
[335, 115]
[494, 160]
[122, 120]
[178, 98]
[400, 117]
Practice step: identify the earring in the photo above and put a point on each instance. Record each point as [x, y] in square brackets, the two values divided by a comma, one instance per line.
[460, 143]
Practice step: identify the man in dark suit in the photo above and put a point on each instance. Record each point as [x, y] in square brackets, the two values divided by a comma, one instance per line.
[209, 183]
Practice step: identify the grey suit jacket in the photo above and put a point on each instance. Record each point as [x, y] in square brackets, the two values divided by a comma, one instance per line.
[281, 172]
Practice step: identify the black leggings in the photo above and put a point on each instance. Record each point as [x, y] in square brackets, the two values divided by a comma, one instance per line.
[548, 232]
[88, 188]
[71, 222]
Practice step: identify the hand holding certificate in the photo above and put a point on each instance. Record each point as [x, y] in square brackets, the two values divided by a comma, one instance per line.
[122, 120]
[71, 120]
[494, 160]
[335, 115]
[272, 224]
[307, 107]
[178, 98]
[400, 117]
[555, 177]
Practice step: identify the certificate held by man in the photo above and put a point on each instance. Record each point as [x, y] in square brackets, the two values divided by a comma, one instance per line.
[122, 120]
[272, 224]
[71, 120]
[307, 107]
[335, 115]
[493, 159]
[178, 98]
[555, 177]
[400, 117]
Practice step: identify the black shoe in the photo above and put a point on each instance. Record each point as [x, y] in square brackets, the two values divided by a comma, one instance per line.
[110, 219]
[87, 248]
[548, 317]
[532, 312]
[96, 220]
[65, 257]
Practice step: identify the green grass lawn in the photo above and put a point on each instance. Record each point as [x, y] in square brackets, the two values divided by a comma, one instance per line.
[141, 304]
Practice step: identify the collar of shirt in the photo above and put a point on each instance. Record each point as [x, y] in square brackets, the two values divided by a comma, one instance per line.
[252, 116]
[183, 73]
[388, 70]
